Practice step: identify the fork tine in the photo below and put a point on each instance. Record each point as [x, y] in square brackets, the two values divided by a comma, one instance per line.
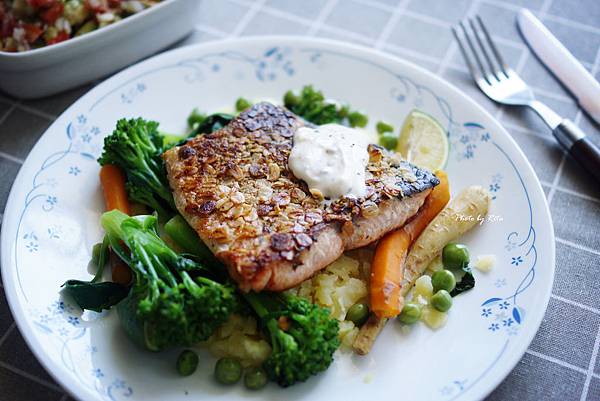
[484, 51]
[499, 59]
[475, 54]
[474, 73]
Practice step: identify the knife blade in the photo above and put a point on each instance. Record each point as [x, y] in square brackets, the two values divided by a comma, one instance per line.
[561, 62]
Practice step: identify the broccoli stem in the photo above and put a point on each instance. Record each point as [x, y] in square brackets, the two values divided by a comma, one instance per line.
[265, 305]
[111, 222]
[185, 237]
[101, 259]
[145, 196]
[170, 140]
[257, 301]
[268, 301]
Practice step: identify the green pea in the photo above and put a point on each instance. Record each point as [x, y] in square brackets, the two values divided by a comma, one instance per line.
[187, 362]
[443, 280]
[255, 379]
[358, 313]
[455, 256]
[242, 104]
[228, 370]
[290, 100]
[388, 140]
[441, 301]
[411, 313]
[357, 119]
[383, 127]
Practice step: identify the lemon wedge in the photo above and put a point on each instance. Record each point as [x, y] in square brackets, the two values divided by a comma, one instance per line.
[423, 141]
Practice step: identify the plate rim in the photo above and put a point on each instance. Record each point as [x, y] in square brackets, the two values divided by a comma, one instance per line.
[75, 389]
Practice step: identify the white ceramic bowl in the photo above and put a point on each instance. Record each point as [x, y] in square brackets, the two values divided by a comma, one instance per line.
[52, 69]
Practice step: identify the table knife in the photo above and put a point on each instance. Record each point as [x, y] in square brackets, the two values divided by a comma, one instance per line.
[561, 62]
[576, 78]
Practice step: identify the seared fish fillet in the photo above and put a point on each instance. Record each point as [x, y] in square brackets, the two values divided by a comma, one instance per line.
[235, 189]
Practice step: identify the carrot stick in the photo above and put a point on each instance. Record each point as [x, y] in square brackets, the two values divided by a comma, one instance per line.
[386, 274]
[435, 202]
[387, 265]
[121, 273]
[112, 180]
[113, 188]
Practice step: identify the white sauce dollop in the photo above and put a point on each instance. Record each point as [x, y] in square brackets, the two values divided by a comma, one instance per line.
[332, 159]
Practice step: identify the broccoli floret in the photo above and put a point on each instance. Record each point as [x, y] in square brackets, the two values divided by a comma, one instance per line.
[242, 104]
[136, 146]
[311, 105]
[195, 118]
[303, 336]
[171, 302]
[146, 196]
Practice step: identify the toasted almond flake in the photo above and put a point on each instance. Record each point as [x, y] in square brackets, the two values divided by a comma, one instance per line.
[316, 193]
[274, 172]
[238, 198]
[410, 177]
[210, 169]
[247, 209]
[236, 172]
[236, 211]
[252, 216]
[225, 206]
[264, 193]
[298, 194]
[375, 155]
[224, 189]
[369, 209]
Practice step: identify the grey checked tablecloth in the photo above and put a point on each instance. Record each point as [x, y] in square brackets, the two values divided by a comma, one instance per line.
[562, 363]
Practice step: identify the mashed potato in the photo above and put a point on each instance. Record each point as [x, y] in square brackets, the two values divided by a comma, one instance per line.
[337, 287]
[239, 338]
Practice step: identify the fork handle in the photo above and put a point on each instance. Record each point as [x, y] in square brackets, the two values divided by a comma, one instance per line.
[579, 146]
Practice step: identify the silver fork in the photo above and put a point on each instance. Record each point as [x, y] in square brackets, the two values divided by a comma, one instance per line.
[503, 85]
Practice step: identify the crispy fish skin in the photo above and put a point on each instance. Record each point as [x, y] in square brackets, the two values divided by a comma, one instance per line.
[234, 187]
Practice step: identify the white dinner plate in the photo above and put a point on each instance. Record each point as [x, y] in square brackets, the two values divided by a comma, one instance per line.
[52, 220]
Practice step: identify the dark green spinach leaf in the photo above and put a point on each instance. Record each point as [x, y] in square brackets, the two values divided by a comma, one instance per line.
[465, 284]
[95, 296]
[205, 124]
